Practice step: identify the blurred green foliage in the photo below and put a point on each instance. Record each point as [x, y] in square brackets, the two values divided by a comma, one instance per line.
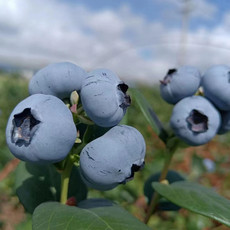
[13, 89]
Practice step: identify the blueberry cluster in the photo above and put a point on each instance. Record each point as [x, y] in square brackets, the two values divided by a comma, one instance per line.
[196, 119]
[43, 129]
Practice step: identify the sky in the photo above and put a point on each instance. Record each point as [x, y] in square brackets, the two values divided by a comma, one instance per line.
[138, 40]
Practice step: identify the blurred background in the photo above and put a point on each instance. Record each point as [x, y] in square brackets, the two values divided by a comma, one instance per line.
[140, 41]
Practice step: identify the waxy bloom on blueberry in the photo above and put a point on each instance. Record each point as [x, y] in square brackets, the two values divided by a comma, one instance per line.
[216, 85]
[58, 79]
[104, 98]
[195, 120]
[225, 122]
[41, 129]
[113, 158]
[180, 83]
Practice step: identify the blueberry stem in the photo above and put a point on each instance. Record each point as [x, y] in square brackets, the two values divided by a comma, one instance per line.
[155, 198]
[65, 175]
[69, 162]
[85, 120]
[80, 110]
[87, 135]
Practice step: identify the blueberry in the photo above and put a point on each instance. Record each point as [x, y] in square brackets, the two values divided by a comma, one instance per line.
[195, 120]
[104, 98]
[216, 85]
[41, 129]
[113, 158]
[209, 165]
[180, 83]
[225, 124]
[58, 79]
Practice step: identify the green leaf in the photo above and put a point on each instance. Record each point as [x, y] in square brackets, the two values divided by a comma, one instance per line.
[36, 184]
[93, 132]
[149, 114]
[77, 188]
[55, 216]
[95, 203]
[163, 204]
[198, 199]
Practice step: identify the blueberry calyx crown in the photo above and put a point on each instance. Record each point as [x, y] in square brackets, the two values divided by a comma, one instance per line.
[197, 121]
[168, 77]
[24, 127]
[127, 100]
[134, 168]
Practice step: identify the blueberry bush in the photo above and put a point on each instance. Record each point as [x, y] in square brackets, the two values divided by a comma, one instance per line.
[86, 140]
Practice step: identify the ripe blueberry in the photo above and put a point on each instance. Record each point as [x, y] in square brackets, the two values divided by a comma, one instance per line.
[104, 98]
[180, 83]
[40, 129]
[225, 124]
[216, 85]
[58, 79]
[195, 120]
[113, 158]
